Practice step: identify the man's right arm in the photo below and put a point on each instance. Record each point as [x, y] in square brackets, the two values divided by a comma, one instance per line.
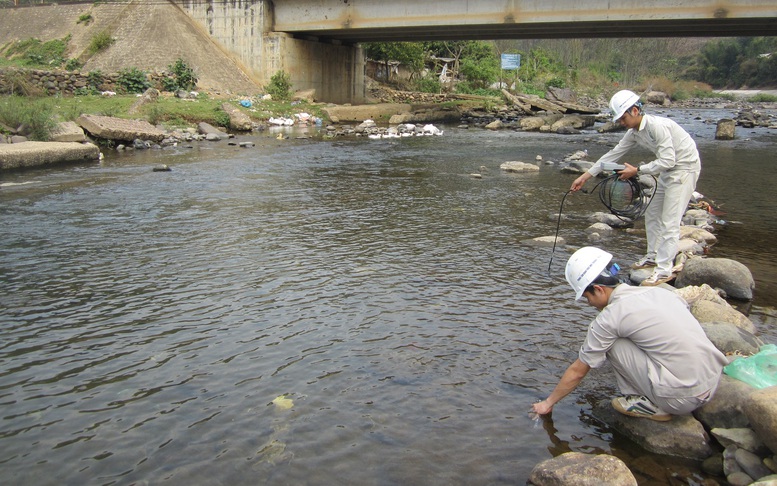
[569, 381]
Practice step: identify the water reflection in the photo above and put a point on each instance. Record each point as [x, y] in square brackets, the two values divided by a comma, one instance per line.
[150, 319]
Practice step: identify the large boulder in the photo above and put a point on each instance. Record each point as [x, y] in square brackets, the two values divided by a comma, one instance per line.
[582, 470]
[723, 273]
[761, 409]
[729, 338]
[658, 98]
[574, 121]
[707, 311]
[110, 128]
[726, 129]
[683, 436]
[697, 234]
[726, 409]
[536, 122]
[67, 132]
[693, 294]
[237, 119]
[150, 96]
[208, 129]
[610, 220]
[577, 167]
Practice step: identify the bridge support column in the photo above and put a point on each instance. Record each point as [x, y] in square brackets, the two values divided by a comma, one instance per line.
[243, 28]
[336, 72]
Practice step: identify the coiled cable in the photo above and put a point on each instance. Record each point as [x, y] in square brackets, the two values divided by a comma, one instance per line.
[625, 199]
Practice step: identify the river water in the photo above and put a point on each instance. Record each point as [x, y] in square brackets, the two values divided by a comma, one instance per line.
[311, 311]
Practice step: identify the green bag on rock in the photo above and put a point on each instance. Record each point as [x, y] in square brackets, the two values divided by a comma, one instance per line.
[758, 370]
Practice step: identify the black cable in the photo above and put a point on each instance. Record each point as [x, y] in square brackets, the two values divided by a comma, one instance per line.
[613, 189]
[558, 226]
[625, 199]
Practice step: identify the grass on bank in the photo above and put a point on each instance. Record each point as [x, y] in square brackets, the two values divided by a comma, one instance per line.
[40, 114]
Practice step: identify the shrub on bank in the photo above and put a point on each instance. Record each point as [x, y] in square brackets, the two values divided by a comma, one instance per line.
[33, 115]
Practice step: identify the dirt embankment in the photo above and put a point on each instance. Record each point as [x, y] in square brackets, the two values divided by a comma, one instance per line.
[148, 35]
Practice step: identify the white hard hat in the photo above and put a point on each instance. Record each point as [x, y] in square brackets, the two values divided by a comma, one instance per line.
[584, 266]
[622, 101]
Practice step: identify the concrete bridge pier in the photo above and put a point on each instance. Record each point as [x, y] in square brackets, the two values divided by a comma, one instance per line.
[335, 71]
[244, 28]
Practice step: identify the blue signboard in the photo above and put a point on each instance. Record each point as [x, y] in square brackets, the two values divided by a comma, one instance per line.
[511, 61]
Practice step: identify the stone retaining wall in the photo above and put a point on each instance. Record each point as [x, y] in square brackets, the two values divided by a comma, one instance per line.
[61, 82]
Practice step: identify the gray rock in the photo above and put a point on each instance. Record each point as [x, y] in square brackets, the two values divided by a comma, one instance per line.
[111, 128]
[692, 294]
[729, 338]
[683, 436]
[696, 218]
[707, 311]
[151, 95]
[713, 465]
[565, 95]
[599, 228]
[739, 479]
[573, 121]
[610, 220]
[751, 464]
[726, 408]
[726, 129]
[657, 98]
[237, 119]
[207, 129]
[516, 166]
[494, 125]
[567, 131]
[761, 409]
[576, 468]
[731, 276]
[690, 247]
[577, 167]
[697, 234]
[742, 437]
[546, 241]
[67, 132]
[730, 464]
[770, 480]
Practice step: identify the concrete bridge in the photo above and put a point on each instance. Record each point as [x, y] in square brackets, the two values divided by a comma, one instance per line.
[414, 20]
[316, 41]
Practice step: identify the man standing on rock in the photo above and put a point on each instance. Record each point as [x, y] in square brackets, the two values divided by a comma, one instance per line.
[677, 167]
[663, 361]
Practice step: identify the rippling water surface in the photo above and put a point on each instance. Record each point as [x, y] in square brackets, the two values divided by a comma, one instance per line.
[317, 312]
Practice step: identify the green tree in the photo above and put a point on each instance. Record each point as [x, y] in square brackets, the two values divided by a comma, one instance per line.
[410, 54]
[480, 64]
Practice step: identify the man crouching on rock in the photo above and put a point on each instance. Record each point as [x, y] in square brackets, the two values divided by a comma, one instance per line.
[664, 363]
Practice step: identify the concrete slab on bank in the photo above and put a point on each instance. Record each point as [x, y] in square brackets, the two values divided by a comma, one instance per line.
[40, 154]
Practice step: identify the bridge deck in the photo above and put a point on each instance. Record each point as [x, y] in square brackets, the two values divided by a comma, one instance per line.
[413, 20]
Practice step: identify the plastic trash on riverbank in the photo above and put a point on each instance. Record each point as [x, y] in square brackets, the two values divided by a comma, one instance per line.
[758, 370]
[281, 121]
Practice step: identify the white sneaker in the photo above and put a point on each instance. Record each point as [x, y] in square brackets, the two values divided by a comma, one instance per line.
[644, 262]
[657, 278]
[639, 406]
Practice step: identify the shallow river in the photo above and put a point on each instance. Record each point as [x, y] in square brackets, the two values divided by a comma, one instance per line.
[311, 311]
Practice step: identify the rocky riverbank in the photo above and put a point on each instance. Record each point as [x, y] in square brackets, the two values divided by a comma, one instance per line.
[735, 434]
